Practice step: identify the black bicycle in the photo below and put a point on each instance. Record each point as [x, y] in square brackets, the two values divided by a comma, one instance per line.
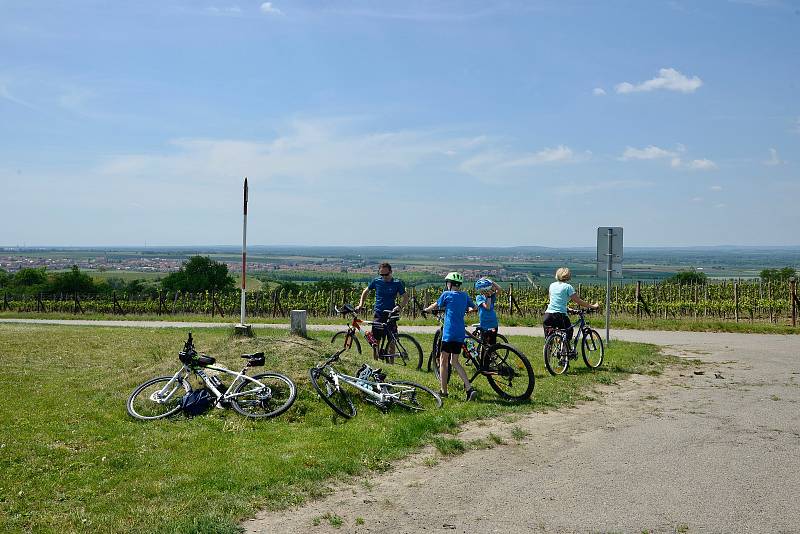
[477, 332]
[391, 345]
[558, 352]
[505, 367]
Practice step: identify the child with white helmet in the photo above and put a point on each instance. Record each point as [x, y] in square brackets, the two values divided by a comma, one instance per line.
[485, 300]
[455, 303]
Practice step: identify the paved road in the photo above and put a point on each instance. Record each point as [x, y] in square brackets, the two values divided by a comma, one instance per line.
[682, 452]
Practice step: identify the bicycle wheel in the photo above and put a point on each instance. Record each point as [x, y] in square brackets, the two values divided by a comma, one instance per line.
[509, 372]
[273, 398]
[409, 349]
[592, 349]
[555, 357]
[342, 338]
[435, 349]
[151, 401]
[413, 396]
[334, 396]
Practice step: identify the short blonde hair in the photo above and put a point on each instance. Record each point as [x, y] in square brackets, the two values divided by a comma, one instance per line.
[563, 274]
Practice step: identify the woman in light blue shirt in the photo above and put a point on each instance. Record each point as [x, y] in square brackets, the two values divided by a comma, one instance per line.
[561, 294]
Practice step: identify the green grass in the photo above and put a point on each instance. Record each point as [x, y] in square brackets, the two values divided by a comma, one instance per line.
[72, 460]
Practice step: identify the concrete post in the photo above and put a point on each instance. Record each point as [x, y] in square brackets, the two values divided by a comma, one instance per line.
[298, 325]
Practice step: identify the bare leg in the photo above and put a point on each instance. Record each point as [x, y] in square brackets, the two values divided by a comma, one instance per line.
[460, 370]
[444, 357]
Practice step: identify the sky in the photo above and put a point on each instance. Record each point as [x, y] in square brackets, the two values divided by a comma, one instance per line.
[399, 123]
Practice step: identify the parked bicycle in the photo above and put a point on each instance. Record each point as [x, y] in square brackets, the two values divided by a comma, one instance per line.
[262, 395]
[505, 367]
[329, 384]
[404, 346]
[558, 352]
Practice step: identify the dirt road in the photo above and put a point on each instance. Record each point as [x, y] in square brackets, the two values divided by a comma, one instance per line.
[682, 452]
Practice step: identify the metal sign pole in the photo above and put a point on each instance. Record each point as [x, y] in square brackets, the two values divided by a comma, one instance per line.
[608, 285]
[244, 255]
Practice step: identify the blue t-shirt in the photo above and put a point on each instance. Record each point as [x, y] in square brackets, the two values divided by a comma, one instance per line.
[454, 304]
[488, 317]
[386, 293]
[560, 293]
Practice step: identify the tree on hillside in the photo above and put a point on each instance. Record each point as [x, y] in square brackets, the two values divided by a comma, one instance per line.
[778, 275]
[690, 277]
[5, 279]
[73, 281]
[29, 281]
[199, 273]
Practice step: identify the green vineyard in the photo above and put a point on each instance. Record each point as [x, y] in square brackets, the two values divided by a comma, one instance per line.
[729, 300]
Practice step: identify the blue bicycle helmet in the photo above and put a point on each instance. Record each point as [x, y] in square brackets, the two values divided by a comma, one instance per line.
[483, 283]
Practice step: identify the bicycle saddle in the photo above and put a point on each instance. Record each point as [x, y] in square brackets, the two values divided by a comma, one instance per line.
[253, 356]
[476, 325]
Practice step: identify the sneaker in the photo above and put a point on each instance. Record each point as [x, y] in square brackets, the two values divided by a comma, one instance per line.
[471, 394]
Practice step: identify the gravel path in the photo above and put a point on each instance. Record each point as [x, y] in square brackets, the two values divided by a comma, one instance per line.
[682, 452]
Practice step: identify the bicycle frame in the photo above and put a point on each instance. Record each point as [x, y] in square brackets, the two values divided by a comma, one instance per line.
[185, 371]
[580, 330]
[355, 328]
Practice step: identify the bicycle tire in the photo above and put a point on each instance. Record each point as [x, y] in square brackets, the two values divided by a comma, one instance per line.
[341, 335]
[334, 396]
[419, 399]
[589, 349]
[434, 349]
[554, 359]
[173, 407]
[409, 349]
[509, 372]
[260, 404]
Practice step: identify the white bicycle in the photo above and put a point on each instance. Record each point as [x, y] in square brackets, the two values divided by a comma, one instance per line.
[260, 396]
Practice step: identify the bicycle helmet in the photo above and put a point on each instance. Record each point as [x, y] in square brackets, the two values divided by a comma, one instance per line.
[483, 284]
[454, 277]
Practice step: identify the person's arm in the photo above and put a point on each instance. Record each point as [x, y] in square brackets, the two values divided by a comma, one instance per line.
[361, 300]
[580, 302]
[432, 307]
[404, 303]
[497, 288]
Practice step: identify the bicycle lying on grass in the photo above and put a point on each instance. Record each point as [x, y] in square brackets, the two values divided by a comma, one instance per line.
[329, 382]
[405, 346]
[505, 367]
[558, 351]
[262, 395]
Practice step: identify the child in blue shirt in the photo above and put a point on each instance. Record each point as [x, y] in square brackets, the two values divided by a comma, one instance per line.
[455, 303]
[485, 300]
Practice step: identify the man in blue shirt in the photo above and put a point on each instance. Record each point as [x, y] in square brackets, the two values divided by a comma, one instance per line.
[386, 291]
[455, 304]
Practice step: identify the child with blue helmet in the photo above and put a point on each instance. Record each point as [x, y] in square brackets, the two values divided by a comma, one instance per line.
[455, 303]
[485, 300]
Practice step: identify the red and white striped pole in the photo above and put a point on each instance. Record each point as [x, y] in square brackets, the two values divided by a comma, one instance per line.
[244, 253]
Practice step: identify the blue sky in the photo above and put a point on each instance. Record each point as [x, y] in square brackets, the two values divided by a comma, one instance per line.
[400, 123]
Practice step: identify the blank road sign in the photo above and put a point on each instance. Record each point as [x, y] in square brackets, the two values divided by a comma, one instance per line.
[616, 244]
[616, 270]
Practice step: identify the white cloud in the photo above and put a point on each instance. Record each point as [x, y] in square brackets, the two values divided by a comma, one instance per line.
[232, 11]
[560, 153]
[5, 94]
[702, 165]
[697, 199]
[599, 91]
[496, 164]
[269, 9]
[716, 188]
[774, 159]
[650, 152]
[617, 185]
[667, 79]
[675, 163]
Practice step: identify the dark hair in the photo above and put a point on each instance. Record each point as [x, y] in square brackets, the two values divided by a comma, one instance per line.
[385, 265]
